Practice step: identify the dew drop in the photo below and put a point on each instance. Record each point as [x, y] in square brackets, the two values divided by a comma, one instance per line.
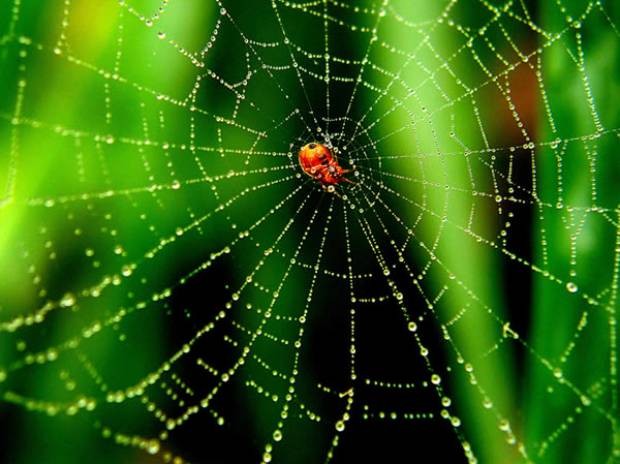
[153, 447]
[67, 300]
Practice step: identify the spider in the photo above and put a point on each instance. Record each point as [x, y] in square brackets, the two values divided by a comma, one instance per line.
[317, 161]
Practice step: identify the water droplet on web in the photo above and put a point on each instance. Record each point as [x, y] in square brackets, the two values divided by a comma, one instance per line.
[153, 446]
[340, 426]
[504, 425]
[52, 355]
[571, 287]
[412, 326]
[67, 300]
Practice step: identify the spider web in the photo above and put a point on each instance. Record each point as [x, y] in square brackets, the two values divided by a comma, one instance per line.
[173, 285]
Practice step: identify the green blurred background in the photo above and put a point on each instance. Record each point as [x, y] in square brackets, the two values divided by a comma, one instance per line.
[173, 288]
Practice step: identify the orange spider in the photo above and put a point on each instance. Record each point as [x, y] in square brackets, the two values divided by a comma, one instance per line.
[317, 161]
